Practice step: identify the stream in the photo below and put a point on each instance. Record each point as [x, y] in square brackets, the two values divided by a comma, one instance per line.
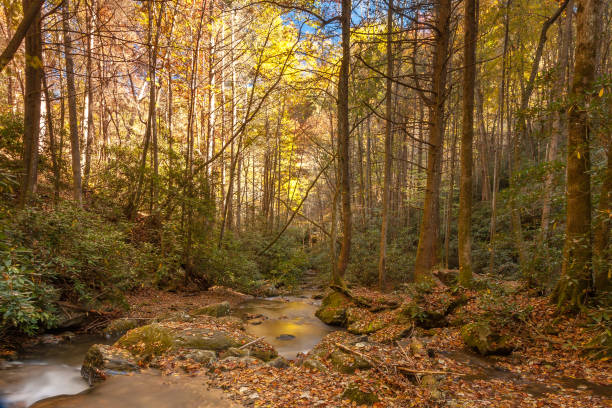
[49, 370]
[287, 323]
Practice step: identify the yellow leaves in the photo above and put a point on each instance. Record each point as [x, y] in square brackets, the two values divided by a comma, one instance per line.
[601, 92]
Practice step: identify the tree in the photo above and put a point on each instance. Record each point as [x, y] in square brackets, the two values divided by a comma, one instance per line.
[576, 280]
[429, 232]
[467, 135]
[72, 106]
[32, 99]
[388, 147]
[343, 141]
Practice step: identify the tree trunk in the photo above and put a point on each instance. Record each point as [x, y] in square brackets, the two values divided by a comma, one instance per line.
[601, 234]
[343, 141]
[72, 108]
[559, 120]
[31, 115]
[427, 250]
[467, 136]
[576, 280]
[388, 149]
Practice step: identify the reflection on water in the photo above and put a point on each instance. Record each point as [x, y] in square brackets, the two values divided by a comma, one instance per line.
[293, 317]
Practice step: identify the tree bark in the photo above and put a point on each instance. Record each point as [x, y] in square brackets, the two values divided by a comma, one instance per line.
[31, 16]
[343, 142]
[467, 136]
[32, 98]
[576, 280]
[388, 149]
[428, 248]
[72, 108]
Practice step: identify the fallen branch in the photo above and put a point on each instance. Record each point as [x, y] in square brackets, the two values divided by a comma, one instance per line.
[249, 343]
[373, 362]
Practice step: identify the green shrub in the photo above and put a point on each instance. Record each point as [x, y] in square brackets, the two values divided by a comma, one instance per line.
[26, 302]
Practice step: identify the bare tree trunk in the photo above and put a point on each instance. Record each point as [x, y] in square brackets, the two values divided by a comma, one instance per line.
[388, 149]
[52, 142]
[576, 280]
[559, 127]
[343, 142]
[31, 116]
[428, 248]
[88, 122]
[601, 233]
[467, 136]
[72, 108]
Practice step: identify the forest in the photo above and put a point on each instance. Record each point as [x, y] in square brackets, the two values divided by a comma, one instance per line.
[292, 203]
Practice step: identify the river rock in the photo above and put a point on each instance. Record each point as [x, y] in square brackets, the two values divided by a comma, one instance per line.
[314, 364]
[215, 310]
[120, 326]
[147, 341]
[102, 360]
[202, 356]
[278, 362]
[360, 397]
[286, 337]
[480, 337]
[333, 309]
[234, 352]
[194, 339]
[347, 363]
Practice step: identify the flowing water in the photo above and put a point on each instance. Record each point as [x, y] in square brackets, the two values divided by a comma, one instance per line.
[50, 370]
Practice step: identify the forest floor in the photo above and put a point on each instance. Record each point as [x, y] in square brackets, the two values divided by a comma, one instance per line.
[404, 365]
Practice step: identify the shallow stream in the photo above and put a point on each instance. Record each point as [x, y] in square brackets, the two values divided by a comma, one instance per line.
[50, 370]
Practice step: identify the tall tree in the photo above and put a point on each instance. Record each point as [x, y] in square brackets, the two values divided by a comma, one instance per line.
[467, 135]
[32, 99]
[343, 141]
[576, 279]
[72, 106]
[429, 233]
[388, 149]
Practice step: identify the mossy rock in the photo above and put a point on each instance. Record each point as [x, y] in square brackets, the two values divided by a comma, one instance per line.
[413, 312]
[347, 363]
[264, 354]
[217, 341]
[480, 337]
[314, 364]
[147, 341]
[215, 310]
[120, 326]
[333, 309]
[102, 360]
[355, 394]
[201, 356]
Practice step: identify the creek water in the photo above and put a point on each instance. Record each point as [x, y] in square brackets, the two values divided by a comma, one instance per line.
[288, 324]
[51, 370]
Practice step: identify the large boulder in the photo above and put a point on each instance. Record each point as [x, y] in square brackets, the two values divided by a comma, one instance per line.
[481, 337]
[215, 310]
[102, 360]
[333, 309]
[204, 340]
[147, 341]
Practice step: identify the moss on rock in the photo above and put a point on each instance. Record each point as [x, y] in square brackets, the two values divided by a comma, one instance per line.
[333, 309]
[147, 341]
[215, 310]
[360, 397]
